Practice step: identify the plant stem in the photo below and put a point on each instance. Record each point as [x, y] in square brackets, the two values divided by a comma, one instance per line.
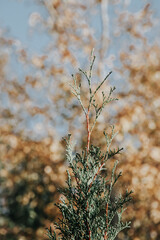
[88, 131]
[105, 235]
[89, 231]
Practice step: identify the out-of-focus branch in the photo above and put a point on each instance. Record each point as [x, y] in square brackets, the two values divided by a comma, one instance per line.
[104, 43]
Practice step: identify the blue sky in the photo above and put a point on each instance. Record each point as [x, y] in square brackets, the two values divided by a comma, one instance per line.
[14, 18]
[14, 15]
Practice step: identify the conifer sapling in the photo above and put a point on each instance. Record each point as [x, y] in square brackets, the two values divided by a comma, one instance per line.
[87, 208]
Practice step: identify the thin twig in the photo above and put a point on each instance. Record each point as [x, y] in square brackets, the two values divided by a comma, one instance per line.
[99, 169]
[78, 185]
[101, 83]
[88, 131]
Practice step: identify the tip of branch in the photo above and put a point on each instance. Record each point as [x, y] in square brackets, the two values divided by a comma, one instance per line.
[92, 52]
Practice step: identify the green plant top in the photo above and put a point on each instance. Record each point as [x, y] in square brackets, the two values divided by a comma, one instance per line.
[89, 212]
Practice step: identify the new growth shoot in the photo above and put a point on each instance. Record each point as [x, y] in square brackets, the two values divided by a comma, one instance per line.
[76, 90]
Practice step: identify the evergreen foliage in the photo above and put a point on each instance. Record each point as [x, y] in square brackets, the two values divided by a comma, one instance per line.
[88, 210]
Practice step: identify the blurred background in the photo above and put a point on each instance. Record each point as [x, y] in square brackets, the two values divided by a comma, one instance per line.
[42, 42]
